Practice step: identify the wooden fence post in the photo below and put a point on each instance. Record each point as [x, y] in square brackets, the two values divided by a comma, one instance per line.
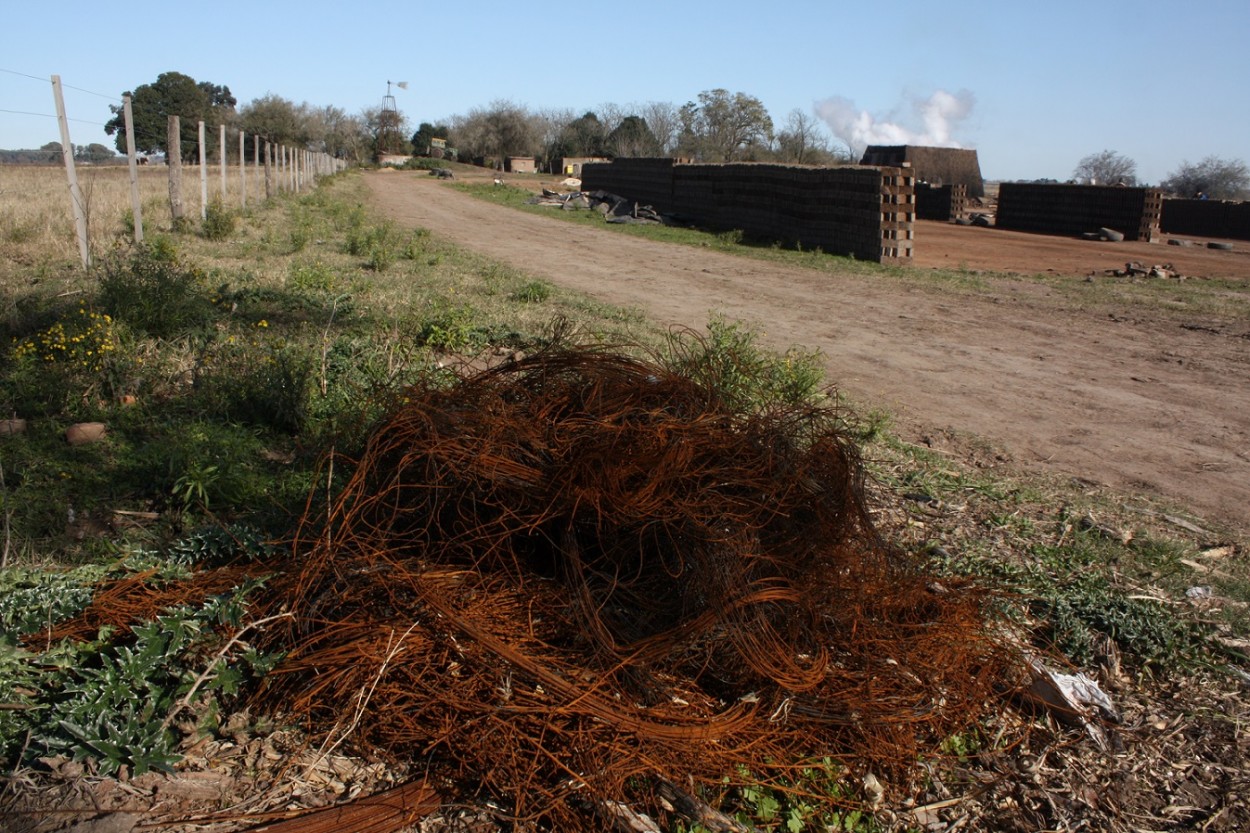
[268, 171]
[203, 175]
[75, 193]
[242, 172]
[136, 204]
[173, 158]
[221, 143]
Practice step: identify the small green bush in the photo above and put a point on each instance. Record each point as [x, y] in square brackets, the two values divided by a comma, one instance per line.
[449, 328]
[257, 382]
[219, 221]
[534, 292]
[751, 378]
[154, 292]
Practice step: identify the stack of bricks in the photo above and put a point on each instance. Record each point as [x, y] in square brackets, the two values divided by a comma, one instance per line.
[1207, 218]
[946, 203]
[645, 181]
[1079, 209]
[861, 211]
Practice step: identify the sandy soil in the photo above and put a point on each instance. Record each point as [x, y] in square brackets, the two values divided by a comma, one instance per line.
[1133, 402]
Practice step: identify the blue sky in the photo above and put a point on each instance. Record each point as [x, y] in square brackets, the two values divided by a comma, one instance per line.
[1032, 87]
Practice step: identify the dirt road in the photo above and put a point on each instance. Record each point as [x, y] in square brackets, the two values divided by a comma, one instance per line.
[1135, 403]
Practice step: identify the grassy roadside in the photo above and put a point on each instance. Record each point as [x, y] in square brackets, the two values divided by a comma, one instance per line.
[223, 363]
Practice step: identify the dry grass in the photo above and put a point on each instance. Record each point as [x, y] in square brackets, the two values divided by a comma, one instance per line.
[36, 215]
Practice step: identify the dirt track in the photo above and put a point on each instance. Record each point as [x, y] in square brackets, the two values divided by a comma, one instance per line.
[1139, 404]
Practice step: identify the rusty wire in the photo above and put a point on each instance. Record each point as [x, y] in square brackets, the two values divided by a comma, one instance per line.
[565, 578]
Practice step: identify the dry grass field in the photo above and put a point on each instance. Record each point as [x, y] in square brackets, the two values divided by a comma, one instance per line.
[36, 211]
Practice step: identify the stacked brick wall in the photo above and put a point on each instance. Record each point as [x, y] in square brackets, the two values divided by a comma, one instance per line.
[645, 181]
[945, 203]
[1077, 209]
[1207, 218]
[860, 211]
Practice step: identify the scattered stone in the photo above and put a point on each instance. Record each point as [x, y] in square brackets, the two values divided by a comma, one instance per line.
[84, 433]
[9, 427]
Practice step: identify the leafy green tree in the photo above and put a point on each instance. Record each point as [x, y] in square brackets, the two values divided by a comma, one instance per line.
[426, 133]
[1106, 168]
[1219, 179]
[275, 119]
[172, 94]
[631, 138]
[583, 136]
[94, 153]
[724, 127]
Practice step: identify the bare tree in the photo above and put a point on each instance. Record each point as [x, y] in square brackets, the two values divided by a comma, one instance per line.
[1106, 168]
[1219, 179]
[501, 130]
[611, 115]
[801, 139]
[663, 119]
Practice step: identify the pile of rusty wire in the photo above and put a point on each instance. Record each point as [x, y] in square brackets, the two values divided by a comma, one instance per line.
[563, 581]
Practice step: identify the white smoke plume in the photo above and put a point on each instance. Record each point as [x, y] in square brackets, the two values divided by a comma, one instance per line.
[939, 116]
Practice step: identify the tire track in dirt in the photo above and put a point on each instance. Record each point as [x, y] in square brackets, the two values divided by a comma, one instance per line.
[1138, 405]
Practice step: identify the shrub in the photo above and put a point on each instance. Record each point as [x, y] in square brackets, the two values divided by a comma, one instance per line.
[153, 291]
[534, 292]
[53, 370]
[748, 376]
[257, 383]
[219, 221]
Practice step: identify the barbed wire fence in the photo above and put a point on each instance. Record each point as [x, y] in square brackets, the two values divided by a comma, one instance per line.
[280, 167]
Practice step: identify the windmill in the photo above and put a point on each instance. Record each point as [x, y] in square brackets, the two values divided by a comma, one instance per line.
[390, 136]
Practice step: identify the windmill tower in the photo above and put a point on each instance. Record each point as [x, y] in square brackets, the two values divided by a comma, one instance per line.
[391, 139]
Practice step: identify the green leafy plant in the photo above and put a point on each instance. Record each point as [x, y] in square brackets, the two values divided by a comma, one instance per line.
[257, 381]
[219, 221]
[153, 291]
[118, 700]
[534, 292]
[449, 328]
[750, 378]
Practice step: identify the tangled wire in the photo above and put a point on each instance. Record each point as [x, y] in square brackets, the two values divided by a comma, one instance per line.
[563, 581]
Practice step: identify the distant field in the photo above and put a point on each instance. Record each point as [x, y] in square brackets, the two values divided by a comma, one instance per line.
[36, 212]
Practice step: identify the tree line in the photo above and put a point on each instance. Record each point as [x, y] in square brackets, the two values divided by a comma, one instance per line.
[1212, 178]
[719, 126]
[50, 154]
[322, 129]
